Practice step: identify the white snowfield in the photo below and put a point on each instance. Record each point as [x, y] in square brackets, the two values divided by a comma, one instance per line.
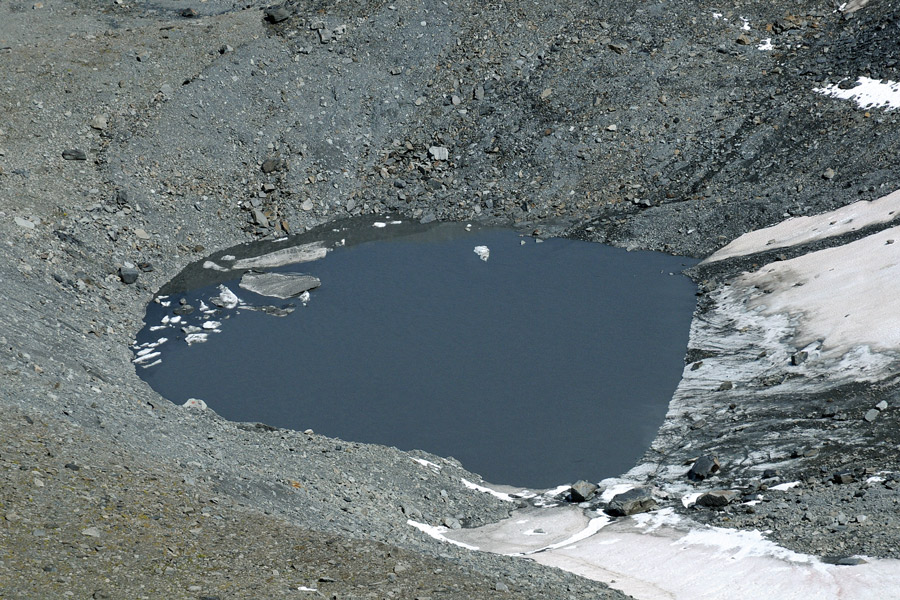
[659, 556]
[802, 230]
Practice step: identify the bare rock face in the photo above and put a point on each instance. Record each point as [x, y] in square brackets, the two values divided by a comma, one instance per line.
[279, 285]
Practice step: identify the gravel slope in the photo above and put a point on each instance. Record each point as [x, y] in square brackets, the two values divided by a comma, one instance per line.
[650, 125]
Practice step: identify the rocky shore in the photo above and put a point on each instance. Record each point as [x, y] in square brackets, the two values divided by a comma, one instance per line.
[139, 137]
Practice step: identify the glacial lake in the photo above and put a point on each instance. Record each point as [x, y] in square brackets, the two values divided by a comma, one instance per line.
[535, 363]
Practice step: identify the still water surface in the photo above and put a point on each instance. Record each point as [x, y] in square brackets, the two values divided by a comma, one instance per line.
[548, 362]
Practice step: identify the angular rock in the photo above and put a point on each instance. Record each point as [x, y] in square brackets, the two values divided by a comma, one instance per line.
[703, 467]
[632, 502]
[100, 122]
[582, 490]
[843, 477]
[277, 14]
[74, 154]
[717, 498]
[279, 285]
[271, 165]
[128, 275]
[871, 414]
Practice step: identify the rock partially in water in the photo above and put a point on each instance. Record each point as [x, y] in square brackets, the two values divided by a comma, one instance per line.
[279, 285]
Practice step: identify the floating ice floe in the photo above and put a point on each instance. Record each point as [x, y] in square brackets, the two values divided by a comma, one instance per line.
[286, 256]
[196, 338]
[214, 325]
[214, 266]
[868, 93]
[382, 224]
[483, 252]
[226, 298]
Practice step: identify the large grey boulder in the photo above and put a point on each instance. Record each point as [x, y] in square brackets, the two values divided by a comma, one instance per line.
[632, 502]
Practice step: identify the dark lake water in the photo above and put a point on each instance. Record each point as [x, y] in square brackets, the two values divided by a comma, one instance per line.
[548, 362]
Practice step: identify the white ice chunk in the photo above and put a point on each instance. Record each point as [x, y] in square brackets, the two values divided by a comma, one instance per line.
[783, 487]
[285, 256]
[483, 252]
[868, 93]
[153, 364]
[196, 338]
[379, 224]
[226, 298]
[145, 357]
[211, 324]
[215, 267]
[175, 319]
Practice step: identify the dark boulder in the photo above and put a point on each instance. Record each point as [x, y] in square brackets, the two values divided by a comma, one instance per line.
[582, 490]
[632, 502]
[703, 467]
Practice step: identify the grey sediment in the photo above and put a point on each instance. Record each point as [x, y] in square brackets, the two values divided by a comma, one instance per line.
[111, 491]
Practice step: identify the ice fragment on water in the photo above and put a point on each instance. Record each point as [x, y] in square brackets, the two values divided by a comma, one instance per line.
[483, 252]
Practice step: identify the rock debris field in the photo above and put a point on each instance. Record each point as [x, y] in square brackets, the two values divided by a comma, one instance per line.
[137, 138]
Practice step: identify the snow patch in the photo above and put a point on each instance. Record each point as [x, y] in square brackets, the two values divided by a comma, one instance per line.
[487, 490]
[438, 534]
[868, 93]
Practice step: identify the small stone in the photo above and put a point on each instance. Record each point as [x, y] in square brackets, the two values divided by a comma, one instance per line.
[582, 490]
[871, 415]
[277, 14]
[703, 467]
[259, 218]
[91, 532]
[501, 587]
[72, 467]
[270, 165]
[546, 93]
[743, 40]
[225, 49]
[717, 498]
[189, 13]
[612, 127]
[26, 223]
[828, 174]
[307, 205]
[143, 56]
[455, 100]
[439, 152]
[74, 154]
[882, 405]
[478, 92]
[100, 122]
[141, 234]
[618, 48]
[634, 501]
[128, 275]
[725, 386]
[166, 90]
[452, 523]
